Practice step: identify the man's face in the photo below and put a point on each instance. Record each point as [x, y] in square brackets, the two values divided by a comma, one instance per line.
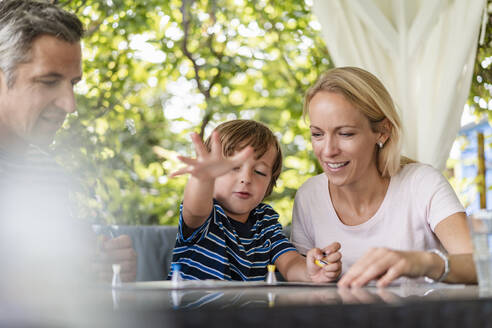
[35, 106]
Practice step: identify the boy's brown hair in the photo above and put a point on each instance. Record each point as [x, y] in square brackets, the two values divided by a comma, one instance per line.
[237, 134]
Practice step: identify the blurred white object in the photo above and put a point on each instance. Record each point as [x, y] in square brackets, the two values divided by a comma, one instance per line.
[481, 230]
[116, 282]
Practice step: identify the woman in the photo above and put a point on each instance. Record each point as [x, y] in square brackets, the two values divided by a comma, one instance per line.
[393, 217]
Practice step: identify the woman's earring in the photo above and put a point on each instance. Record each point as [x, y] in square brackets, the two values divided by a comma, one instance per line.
[380, 144]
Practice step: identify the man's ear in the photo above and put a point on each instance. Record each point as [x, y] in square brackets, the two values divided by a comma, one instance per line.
[3, 81]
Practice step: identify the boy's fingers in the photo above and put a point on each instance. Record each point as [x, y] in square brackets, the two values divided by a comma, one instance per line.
[216, 146]
[191, 162]
[242, 155]
[200, 148]
[187, 160]
[182, 171]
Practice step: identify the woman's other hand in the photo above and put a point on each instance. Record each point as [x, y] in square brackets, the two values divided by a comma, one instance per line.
[385, 265]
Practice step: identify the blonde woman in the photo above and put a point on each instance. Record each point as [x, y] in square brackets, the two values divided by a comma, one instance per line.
[393, 217]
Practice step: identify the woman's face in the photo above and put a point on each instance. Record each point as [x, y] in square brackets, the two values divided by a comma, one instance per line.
[342, 139]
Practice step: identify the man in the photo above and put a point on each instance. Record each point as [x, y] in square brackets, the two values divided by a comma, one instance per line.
[40, 63]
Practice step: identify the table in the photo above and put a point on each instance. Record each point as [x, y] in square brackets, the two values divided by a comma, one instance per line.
[241, 304]
[409, 304]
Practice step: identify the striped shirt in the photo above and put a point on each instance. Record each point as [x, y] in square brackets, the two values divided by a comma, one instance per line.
[225, 249]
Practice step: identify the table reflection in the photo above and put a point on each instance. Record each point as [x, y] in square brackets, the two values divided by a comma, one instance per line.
[286, 295]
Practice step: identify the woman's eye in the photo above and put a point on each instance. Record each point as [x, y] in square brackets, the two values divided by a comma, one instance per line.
[347, 134]
[236, 168]
[315, 134]
[260, 173]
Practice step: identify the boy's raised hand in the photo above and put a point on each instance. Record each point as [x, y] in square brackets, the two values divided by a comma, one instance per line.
[324, 272]
[210, 165]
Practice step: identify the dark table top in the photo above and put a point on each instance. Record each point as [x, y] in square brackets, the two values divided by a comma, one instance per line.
[239, 304]
[408, 304]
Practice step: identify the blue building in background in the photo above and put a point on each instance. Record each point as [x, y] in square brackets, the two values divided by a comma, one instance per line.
[466, 168]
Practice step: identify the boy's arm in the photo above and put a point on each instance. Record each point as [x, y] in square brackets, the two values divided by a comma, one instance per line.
[295, 267]
[199, 191]
[197, 201]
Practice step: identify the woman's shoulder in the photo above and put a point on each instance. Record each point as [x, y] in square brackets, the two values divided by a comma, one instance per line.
[313, 183]
[419, 172]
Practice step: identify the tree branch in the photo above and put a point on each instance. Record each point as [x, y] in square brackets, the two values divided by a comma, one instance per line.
[206, 119]
[219, 55]
[186, 51]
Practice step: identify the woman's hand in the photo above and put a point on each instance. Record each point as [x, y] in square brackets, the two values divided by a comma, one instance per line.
[324, 272]
[386, 265]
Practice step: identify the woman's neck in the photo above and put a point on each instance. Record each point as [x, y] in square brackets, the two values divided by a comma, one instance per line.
[358, 202]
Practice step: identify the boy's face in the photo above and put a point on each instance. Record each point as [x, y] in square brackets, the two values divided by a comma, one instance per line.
[243, 188]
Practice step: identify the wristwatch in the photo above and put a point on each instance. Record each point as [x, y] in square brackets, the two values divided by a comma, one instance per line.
[445, 258]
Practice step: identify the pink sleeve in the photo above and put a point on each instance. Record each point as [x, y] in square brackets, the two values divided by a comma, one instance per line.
[435, 192]
[302, 234]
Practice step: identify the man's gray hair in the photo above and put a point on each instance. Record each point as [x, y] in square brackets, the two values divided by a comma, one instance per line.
[22, 21]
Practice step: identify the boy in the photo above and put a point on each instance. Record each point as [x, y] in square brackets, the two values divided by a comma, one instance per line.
[225, 232]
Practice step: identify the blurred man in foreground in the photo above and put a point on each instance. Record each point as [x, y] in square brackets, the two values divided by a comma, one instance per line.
[40, 62]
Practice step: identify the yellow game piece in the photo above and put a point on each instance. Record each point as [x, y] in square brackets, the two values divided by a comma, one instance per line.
[270, 276]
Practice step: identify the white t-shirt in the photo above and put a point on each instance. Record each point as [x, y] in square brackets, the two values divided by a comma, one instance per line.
[417, 199]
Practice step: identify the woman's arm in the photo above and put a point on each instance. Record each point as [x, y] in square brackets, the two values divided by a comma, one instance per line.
[386, 265]
[454, 235]
[301, 235]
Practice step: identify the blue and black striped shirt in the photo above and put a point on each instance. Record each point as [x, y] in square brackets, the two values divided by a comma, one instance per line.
[225, 249]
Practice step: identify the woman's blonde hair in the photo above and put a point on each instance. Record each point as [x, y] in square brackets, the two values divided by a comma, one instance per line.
[237, 134]
[363, 90]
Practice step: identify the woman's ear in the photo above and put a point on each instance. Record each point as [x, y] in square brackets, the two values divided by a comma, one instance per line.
[384, 127]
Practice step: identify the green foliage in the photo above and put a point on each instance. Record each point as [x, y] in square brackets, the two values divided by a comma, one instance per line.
[480, 97]
[480, 105]
[205, 62]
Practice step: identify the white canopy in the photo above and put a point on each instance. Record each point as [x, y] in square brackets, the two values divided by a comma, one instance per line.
[422, 50]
